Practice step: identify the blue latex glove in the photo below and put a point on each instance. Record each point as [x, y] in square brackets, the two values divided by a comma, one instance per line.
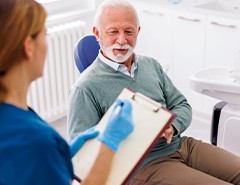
[78, 141]
[119, 125]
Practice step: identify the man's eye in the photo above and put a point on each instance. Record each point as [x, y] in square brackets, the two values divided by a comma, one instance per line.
[130, 33]
[112, 32]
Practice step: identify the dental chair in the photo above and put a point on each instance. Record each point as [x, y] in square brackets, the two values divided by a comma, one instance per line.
[219, 84]
[226, 127]
[85, 52]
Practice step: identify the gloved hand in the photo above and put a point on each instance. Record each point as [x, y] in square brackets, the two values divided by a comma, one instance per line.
[78, 141]
[119, 125]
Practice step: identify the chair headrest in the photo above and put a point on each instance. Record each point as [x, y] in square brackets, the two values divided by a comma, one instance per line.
[86, 51]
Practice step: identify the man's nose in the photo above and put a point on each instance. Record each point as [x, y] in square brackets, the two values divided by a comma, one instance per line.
[121, 39]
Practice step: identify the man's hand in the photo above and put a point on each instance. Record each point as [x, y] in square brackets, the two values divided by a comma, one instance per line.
[168, 134]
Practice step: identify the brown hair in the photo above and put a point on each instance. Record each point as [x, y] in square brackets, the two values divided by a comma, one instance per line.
[18, 20]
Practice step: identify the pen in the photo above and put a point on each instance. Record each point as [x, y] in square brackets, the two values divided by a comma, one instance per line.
[77, 178]
[118, 108]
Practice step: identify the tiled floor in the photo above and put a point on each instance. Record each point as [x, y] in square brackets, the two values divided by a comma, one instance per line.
[198, 130]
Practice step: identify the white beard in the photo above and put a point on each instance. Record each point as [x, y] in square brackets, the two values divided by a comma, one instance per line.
[118, 58]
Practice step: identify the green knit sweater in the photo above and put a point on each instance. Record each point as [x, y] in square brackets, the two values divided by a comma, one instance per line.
[99, 85]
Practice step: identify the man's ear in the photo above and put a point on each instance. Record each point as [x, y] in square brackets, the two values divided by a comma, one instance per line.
[28, 47]
[139, 28]
[96, 33]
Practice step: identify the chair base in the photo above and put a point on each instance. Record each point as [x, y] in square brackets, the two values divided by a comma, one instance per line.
[226, 127]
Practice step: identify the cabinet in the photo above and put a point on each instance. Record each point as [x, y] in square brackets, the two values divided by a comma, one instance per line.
[222, 43]
[188, 52]
[190, 41]
[155, 36]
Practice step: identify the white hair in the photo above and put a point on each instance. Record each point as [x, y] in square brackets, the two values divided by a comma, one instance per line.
[112, 3]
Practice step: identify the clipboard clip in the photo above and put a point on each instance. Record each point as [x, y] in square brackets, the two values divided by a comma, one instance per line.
[138, 97]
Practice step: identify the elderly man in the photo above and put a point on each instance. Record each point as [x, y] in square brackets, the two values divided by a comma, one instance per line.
[116, 27]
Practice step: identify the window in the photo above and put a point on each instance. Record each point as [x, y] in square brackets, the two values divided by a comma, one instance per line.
[63, 6]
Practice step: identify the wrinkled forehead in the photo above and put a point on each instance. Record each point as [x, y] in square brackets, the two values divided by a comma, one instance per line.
[119, 15]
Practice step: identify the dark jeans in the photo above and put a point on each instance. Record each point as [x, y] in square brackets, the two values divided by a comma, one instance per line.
[194, 163]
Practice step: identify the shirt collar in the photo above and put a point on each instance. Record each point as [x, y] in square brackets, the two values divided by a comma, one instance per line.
[110, 63]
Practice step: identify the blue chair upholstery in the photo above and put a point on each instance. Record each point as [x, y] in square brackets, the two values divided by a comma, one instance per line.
[86, 51]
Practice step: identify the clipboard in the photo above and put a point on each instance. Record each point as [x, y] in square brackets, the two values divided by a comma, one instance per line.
[150, 120]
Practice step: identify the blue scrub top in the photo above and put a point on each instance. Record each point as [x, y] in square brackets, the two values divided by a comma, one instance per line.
[31, 152]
